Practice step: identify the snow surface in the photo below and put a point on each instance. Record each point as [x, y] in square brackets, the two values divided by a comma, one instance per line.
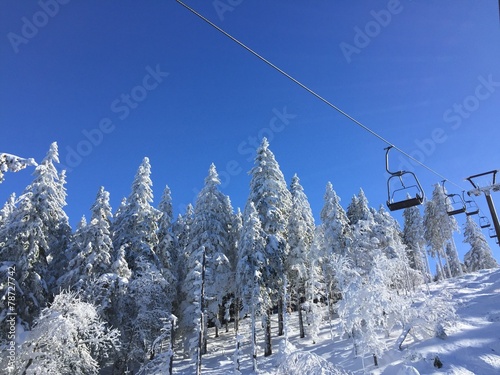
[472, 345]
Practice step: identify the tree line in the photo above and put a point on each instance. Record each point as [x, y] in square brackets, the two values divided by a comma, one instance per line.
[127, 289]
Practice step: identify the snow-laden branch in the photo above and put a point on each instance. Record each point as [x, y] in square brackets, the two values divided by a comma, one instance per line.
[14, 163]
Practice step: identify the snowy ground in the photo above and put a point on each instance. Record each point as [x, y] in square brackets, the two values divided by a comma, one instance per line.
[472, 345]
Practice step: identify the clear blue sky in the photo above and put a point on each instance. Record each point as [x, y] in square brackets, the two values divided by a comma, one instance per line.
[150, 79]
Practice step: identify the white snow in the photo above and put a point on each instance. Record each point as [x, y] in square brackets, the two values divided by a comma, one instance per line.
[472, 345]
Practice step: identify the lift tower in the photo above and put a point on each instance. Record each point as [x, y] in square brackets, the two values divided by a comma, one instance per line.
[486, 190]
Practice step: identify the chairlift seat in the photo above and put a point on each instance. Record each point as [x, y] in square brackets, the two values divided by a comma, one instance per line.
[394, 206]
[457, 211]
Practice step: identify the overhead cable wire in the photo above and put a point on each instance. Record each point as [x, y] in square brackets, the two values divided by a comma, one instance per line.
[314, 93]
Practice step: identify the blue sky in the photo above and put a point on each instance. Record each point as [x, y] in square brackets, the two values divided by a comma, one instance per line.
[113, 82]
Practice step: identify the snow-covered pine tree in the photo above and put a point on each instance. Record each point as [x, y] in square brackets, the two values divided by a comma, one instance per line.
[388, 233]
[334, 238]
[300, 237]
[91, 248]
[149, 297]
[358, 209]
[413, 238]
[439, 227]
[479, 256]
[135, 225]
[251, 274]
[181, 229]
[166, 247]
[272, 200]
[233, 256]
[166, 241]
[456, 267]
[36, 234]
[365, 245]
[211, 229]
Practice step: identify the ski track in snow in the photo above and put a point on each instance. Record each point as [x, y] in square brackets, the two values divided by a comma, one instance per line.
[472, 345]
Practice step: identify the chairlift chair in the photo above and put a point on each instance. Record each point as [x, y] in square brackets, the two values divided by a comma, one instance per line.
[410, 201]
[492, 233]
[455, 203]
[471, 208]
[484, 222]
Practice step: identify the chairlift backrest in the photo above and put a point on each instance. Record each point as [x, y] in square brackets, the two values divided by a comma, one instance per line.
[471, 208]
[484, 222]
[455, 203]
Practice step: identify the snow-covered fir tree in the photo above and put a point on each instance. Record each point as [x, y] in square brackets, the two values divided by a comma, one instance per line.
[36, 235]
[251, 273]
[439, 228]
[300, 238]
[365, 245]
[272, 200]
[211, 229]
[480, 255]
[91, 247]
[334, 237]
[135, 231]
[413, 238]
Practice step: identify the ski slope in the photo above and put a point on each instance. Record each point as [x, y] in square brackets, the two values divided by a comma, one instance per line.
[472, 345]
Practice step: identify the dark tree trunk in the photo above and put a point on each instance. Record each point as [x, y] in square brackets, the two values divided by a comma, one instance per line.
[301, 321]
[280, 317]
[268, 344]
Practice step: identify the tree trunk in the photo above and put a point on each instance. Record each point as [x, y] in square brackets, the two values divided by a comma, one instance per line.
[375, 361]
[301, 321]
[280, 317]
[268, 343]
[236, 314]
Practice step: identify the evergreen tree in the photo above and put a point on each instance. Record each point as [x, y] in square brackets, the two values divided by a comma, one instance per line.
[272, 200]
[135, 225]
[337, 232]
[479, 256]
[251, 274]
[36, 235]
[300, 238]
[135, 232]
[166, 248]
[365, 246]
[439, 227]
[358, 209]
[211, 229]
[91, 247]
[413, 238]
